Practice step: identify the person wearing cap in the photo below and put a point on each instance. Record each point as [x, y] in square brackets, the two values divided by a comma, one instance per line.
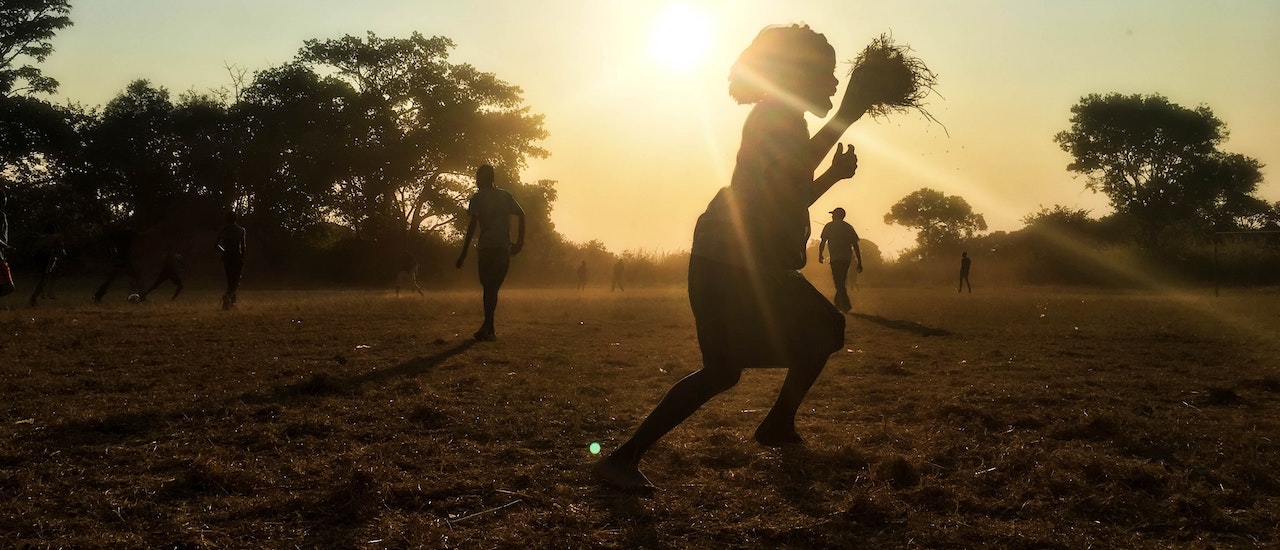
[842, 241]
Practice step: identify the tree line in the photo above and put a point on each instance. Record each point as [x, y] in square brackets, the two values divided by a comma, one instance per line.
[361, 148]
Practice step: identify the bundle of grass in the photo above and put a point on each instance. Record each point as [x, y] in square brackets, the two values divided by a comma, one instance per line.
[890, 79]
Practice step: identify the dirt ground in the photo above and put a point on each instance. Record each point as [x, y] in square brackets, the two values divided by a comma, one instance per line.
[1011, 418]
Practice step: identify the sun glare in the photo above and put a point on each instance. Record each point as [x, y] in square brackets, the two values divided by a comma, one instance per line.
[681, 37]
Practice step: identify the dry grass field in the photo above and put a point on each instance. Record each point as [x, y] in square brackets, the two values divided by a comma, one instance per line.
[1019, 418]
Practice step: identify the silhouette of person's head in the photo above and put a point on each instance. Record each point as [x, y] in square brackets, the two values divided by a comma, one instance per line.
[4, 199]
[232, 217]
[964, 254]
[484, 176]
[837, 214]
[790, 62]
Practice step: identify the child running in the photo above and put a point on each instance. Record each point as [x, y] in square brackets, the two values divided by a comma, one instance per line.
[751, 306]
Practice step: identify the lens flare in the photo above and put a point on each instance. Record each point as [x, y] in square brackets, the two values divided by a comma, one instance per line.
[594, 448]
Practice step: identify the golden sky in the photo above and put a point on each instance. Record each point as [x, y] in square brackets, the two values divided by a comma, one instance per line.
[643, 131]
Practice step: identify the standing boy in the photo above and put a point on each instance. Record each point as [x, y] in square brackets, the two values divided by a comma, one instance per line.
[6, 276]
[964, 273]
[490, 212]
[231, 244]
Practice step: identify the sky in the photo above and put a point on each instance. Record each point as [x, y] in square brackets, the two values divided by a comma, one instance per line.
[643, 132]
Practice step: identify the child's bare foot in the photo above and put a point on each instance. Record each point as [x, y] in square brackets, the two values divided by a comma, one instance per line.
[778, 435]
[622, 475]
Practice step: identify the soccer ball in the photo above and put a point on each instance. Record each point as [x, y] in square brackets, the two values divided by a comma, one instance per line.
[135, 298]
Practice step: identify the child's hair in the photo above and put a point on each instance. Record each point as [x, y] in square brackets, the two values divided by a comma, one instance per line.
[779, 58]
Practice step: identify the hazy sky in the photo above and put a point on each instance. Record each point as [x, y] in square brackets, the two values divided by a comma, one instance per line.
[642, 137]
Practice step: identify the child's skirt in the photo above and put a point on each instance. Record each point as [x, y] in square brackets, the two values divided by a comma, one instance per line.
[760, 318]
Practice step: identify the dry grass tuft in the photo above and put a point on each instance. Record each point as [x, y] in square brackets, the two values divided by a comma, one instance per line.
[891, 79]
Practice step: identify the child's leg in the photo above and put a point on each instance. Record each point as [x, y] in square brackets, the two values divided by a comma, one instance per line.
[681, 401]
[779, 426]
[493, 266]
[35, 295]
[102, 289]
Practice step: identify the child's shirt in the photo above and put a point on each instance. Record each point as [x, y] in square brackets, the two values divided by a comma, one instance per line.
[761, 220]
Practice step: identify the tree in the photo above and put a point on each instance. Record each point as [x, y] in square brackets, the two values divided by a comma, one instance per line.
[33, 133]
[302, 134]
[941, 219]
[1159, 164]
[26, 26]
[446, 120]
[130, 152]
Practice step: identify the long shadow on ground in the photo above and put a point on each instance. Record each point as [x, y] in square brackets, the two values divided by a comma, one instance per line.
[899, 324]
[129, 426]
[325, 384]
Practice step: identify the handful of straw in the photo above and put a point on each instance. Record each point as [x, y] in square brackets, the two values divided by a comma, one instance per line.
[890, 79]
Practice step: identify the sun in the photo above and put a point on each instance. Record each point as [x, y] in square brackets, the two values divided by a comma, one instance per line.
[681, 37]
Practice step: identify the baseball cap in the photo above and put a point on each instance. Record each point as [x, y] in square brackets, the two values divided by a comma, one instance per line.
[838, 210]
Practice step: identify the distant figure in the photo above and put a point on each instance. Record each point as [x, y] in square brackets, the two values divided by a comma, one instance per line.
[168, 272]
[964, 272]
[751, 306]
[843, 244]
[6, 275]
[408, 275]
[617, 276]
[120, 242]
[582, 275]
[231, 244]
[49, 249]
[490, 212]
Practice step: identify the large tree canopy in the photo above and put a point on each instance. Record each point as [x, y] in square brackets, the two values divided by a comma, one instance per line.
[941, 219]
[1159, 164]
[33, 133]
[26, 28]
[444, 120]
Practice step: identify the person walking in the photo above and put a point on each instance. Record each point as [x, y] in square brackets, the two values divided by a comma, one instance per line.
[490, 211]
[618, 268]
[408, 275]
[232, 245]
[842, 241]
[120, 241]
[6, 275]
[49, 249]
[168, 272]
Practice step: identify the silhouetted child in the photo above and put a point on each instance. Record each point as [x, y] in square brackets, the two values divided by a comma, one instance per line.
[751, 306]
[168, 272]
[120, 242]
[617, 276]
[490, 212]
[231, 244]
[408, 275]
[49, 249]
[841, 239]
[582, 275]
[6, 275]
[964, 273]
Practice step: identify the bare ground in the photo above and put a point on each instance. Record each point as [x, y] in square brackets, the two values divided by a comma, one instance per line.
[1023, 418]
